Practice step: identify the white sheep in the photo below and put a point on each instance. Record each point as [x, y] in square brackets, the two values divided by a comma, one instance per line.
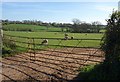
[66, 36]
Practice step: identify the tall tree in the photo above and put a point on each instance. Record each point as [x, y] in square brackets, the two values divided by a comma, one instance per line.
[96, 26]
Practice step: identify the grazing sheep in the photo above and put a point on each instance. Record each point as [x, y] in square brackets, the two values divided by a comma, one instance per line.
[45, 41]
[66, 36]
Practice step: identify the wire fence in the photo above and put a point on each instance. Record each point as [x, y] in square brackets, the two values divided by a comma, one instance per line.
[67, 54]
[90, 47]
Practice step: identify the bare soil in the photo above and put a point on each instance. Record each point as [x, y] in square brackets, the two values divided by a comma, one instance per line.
[59, 64]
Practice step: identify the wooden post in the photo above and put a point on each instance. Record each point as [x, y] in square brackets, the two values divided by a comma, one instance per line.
[29, 48]
[34, 49]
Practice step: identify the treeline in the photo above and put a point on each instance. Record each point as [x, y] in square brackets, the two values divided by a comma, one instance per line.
[76, 27]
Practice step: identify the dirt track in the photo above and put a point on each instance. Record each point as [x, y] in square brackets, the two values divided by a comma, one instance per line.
[48, 65]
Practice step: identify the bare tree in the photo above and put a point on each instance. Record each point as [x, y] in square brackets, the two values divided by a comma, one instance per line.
[76, 21]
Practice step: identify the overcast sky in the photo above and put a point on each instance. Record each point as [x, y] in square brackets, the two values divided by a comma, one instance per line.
[96, 10]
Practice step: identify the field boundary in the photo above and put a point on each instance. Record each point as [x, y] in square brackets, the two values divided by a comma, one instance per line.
[61, 62]
[31, 46]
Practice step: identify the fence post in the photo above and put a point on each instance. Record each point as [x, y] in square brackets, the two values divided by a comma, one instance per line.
[29, 48]
[34, 49]
[1, 44]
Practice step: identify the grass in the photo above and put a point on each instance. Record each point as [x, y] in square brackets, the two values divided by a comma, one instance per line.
[55, 34]
[7, 51]
[84, 43]
[102, 71]
[10, 48]
[26, 27]
[51, 32]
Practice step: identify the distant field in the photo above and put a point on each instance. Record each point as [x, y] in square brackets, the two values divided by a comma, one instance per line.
[26, 27]
[35, 28]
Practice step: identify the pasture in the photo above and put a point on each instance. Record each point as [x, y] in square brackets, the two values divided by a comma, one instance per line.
[59, 60]
[26, 27]
[33, 39]
[56, 38]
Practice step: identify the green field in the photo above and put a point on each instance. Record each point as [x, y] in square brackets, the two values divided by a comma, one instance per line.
[20, 38]
[51, 32]
[79, 43]
[26, 27]
[55, 34]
